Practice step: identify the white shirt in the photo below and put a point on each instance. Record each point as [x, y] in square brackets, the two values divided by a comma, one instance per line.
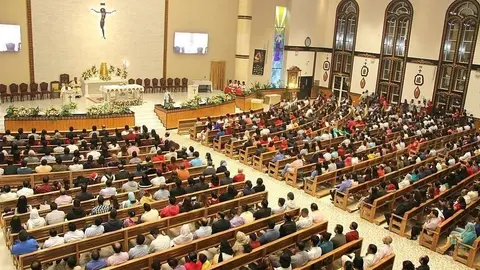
[108, 191]
[94, 153]
[53, 241]
[75, 167]
[8, 196]
[55, 217]
[104, 178]
[94, 230]
[73, 236]
[383, 251]
[369, 260]
[304, 222]
[203, 231]
[314, 253]
[158, 180]
[72, 147]
[327, 156]
[160, 243]
[25, 191]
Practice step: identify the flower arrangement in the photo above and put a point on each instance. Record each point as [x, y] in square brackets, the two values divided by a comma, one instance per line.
[257, 87]
[108, 109]
[14, 112]
[197, 101]
[127, 103]
[112, 71]
[52, 112]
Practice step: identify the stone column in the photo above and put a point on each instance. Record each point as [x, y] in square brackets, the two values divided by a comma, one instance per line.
[244, 26]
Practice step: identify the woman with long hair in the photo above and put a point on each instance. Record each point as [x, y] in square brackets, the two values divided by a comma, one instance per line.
[22, 205]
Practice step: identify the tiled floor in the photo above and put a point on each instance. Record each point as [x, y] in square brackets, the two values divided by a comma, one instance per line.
[404, 248]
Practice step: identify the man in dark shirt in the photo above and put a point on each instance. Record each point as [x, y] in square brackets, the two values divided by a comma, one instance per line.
[221, 224]
[260, 187]
[66, 155]
[70, 134]
[401, 209]
[247, 144]
[229, 195]
[227, 180]
[191, 185]
[121, 174]
[288, 226]
[113, 223]
[10, 169]
[84, 194]
[178, 190]
[77, 211]
[201, 185]
[264, 211]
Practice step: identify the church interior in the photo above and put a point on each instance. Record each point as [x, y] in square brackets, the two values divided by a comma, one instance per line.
[358, 116]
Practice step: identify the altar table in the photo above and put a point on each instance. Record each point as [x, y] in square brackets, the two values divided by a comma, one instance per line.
[122, 92]
[92, 86]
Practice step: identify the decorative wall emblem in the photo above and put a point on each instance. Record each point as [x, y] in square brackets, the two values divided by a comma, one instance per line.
[418, 81]
[364, 72]
[326, 68]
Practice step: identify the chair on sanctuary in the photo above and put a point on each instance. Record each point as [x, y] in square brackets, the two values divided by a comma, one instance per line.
[23, 91]
[14, 91]
[170, 86]
[155, 85]
[146, 84]
[44, 90]
[34, 91]
[131, 81]
[3, 93]
[163, 85]
[184, 84]
[177, 87]
[138, 81]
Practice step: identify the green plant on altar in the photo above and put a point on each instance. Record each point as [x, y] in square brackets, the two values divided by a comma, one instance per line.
[127, 103]
[193, 103]
[15, 112]
[196, 101]
[112, 71]
[108, 109]
[52, 112]
[68, 109]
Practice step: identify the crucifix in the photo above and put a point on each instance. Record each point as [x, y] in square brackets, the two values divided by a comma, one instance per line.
[103, 17]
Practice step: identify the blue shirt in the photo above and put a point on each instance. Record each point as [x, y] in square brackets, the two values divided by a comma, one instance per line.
[269, 236]
[20, 248]
[95, 265]
[344, 185]
[220, 133]
[278, 157]
[326, 247]
[196, 162]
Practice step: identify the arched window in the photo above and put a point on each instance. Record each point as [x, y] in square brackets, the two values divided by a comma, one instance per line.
[344, 46]
[394, 52]
[456, 54]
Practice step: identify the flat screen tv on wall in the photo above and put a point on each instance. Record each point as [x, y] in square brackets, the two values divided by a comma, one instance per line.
[10, 38]
[190, 43]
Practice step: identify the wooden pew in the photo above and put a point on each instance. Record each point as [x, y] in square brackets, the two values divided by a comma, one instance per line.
[264, 158]
[399, 224]
[326, 260]
[124, 235]
[292, 177]
[42, 233]
[384, 264]
[199, 244]
[218, 144]
[274, 169]
[431, 238]
[231, 149]
[467, 254]
[246, 154]
[269, 248]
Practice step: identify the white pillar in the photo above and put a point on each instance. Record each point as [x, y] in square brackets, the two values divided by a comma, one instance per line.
[244, 26]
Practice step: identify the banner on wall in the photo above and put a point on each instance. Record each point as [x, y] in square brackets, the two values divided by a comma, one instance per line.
[259, 62]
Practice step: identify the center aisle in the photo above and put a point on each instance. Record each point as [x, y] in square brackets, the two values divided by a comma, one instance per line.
[404, 249]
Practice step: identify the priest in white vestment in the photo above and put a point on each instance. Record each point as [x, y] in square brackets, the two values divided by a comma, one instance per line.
[76, 85]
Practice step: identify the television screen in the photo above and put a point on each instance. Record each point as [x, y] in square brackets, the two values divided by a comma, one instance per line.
[190, 43]
[10, 38]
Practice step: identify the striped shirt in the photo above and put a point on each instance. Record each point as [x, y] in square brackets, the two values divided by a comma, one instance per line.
[100, 209]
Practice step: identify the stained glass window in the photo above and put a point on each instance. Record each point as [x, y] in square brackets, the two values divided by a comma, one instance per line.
[278, 44]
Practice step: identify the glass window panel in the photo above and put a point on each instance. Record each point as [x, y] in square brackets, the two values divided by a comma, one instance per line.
[395, 94]
[384, 90]
[466, 43]
[451, 39]
[456, 102]
[348, 64]
[398, 71]
[386, 67]
[389, 36]
[442, 101]
[460, 78]
[350, 38]
[340, 33]
[338, 62]
[446, 78]
[401, 37]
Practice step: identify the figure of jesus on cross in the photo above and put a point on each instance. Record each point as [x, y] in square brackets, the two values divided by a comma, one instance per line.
[104, 15]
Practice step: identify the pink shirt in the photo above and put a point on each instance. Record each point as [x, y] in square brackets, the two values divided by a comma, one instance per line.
[117, 258]
[132, 149]
[63, 199]
[296, 164]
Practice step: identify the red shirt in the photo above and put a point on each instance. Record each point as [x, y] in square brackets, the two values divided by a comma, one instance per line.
[43, 188]
[193, 266]
[170, 211]
[351, 236]
[158, 158]
[131, 136]
[187, 164]
[254, 244]
[239, 178]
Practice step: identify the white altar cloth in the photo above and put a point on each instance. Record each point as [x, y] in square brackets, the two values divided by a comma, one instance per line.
[92, 86]
[122, 92]
[203, 85]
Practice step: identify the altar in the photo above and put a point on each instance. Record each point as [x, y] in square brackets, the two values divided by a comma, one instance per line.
[127, 92]
[93, 85]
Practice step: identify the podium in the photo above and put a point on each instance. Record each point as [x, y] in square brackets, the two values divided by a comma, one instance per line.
[272, 99]
[192, 91]
[256, 104]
